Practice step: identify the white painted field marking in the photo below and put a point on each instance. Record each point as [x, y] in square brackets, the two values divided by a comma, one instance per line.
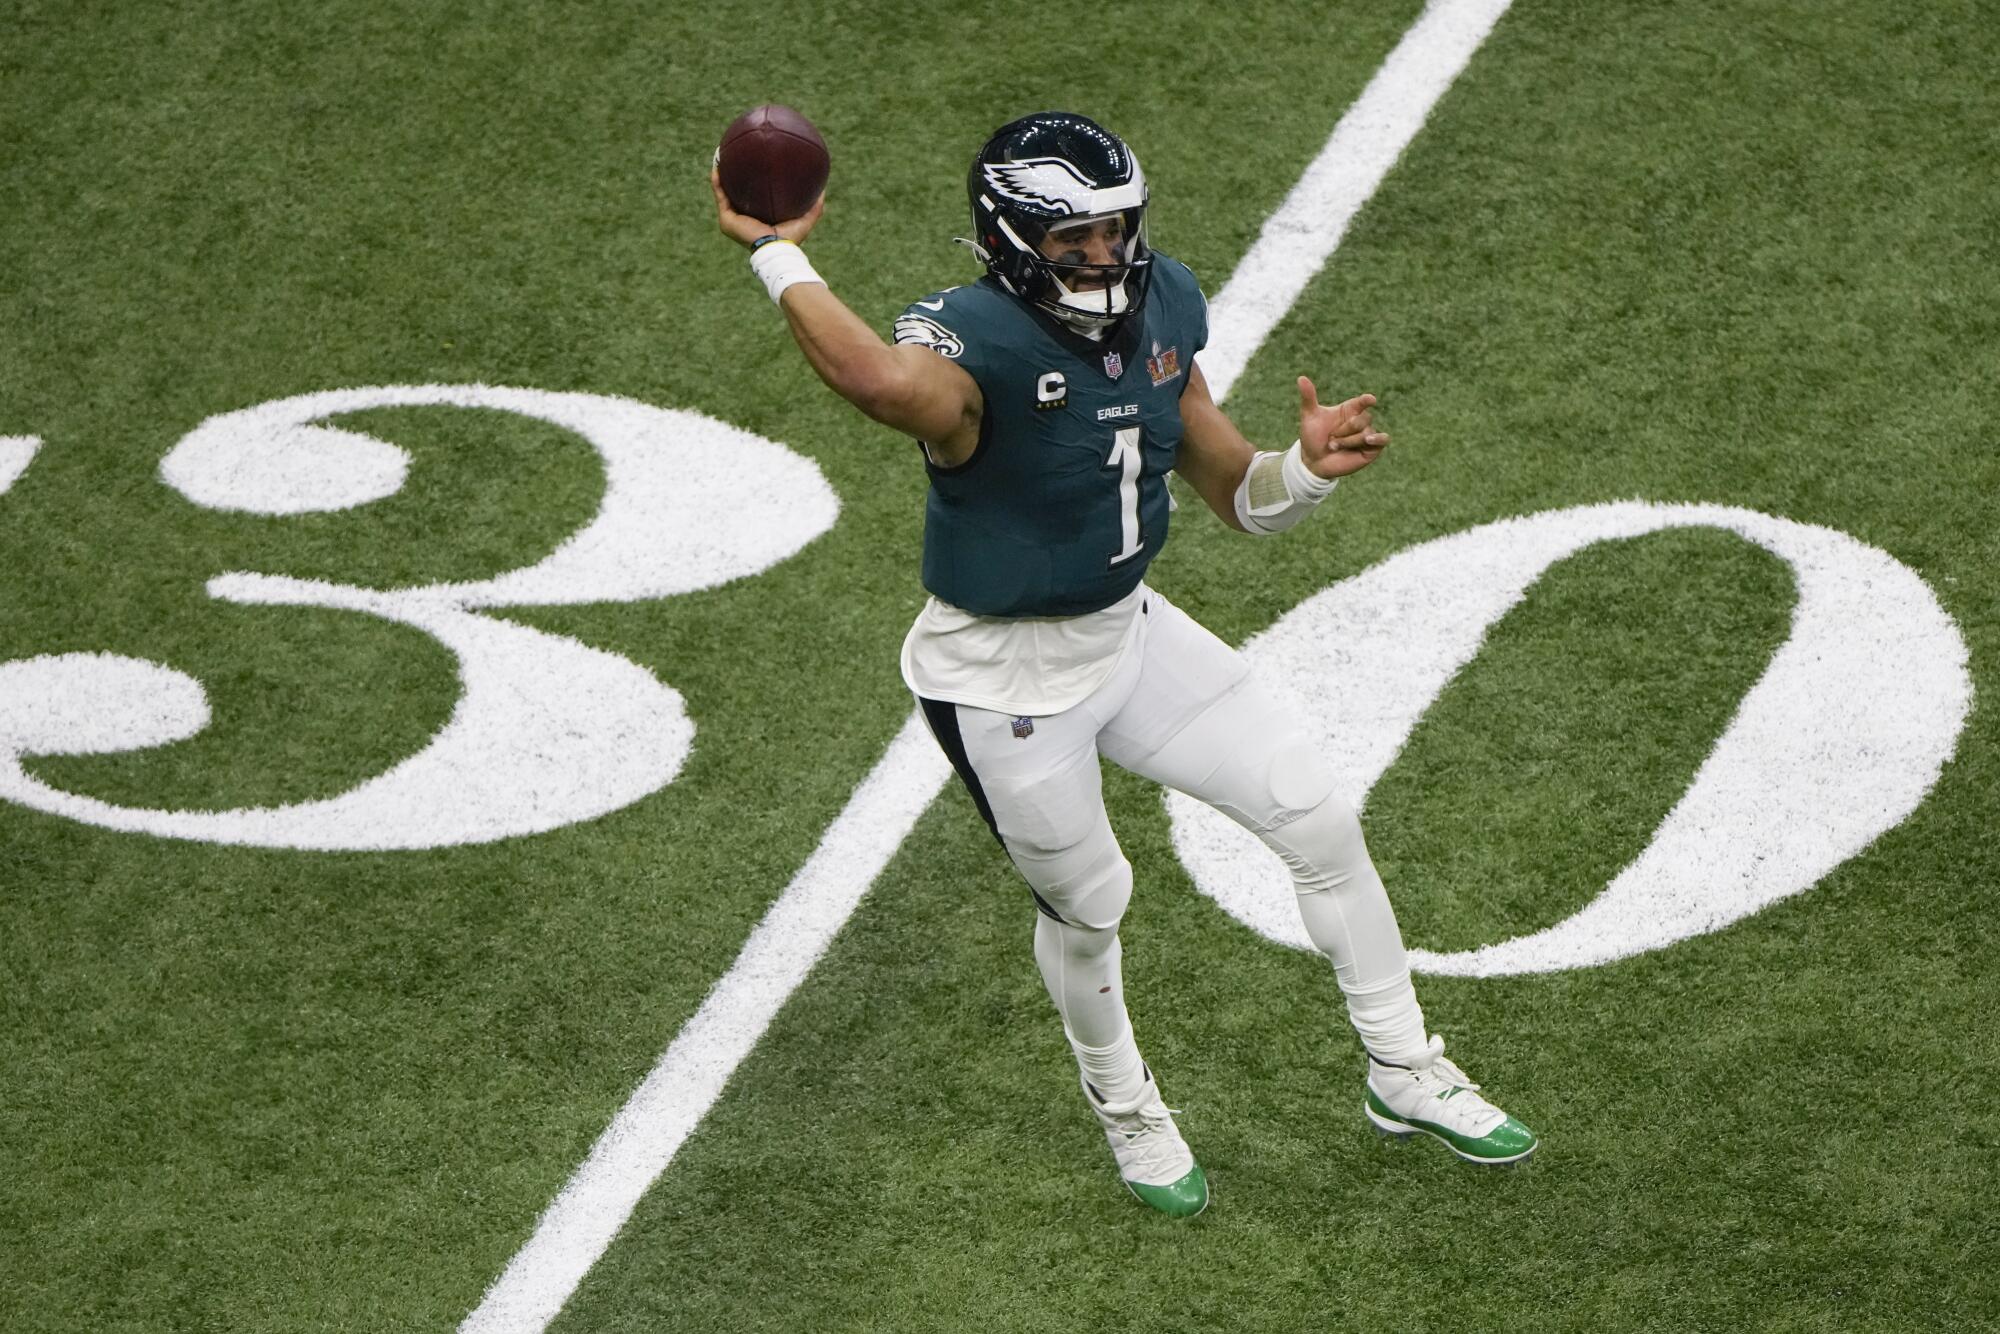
[1839, 740]
[16, 453]
[673, 518]
[674, 1098]
[598, 1199]
[547, 731]
[1302, 233]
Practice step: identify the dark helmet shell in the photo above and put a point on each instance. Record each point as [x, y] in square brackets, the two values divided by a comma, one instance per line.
[1038, 170]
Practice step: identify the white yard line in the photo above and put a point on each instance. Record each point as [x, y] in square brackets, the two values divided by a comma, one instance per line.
[690, 1076]
[1302, 233]
[659, 1117]
[16, 453]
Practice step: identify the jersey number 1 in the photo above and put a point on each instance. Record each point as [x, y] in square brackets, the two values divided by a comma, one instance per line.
[1126, 457]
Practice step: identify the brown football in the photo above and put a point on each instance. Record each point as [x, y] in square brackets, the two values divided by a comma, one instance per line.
[773, 163]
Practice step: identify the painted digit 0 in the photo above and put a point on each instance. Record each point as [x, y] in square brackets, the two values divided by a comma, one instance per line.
[547, 731]
[1835, 745]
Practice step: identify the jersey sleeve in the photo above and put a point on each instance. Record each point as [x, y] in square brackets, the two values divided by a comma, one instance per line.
[1190, 304]
[943, 324]
[962, 325]
[919, 324]
[1200, 314]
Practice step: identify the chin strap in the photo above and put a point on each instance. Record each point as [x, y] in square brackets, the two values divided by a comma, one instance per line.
[1278, 490]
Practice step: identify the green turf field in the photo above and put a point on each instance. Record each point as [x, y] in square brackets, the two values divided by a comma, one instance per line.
[1742, 252]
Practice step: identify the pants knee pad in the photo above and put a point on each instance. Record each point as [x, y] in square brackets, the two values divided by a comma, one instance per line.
[1323, 848]
[1269, 783]
[1087, 885]
[1297, 782]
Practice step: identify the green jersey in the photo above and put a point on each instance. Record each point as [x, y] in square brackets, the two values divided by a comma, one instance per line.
[1063, 503]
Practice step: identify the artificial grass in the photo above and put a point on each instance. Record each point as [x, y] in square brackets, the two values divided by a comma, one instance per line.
[1739, 252]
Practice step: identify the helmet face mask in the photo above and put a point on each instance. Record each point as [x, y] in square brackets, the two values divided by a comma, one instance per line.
[1096, 291]
[1050, 173]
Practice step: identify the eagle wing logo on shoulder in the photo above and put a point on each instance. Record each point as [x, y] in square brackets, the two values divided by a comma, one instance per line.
[1042, 182]
[912, 328]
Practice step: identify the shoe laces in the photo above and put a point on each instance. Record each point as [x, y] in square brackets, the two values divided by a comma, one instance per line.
[1442, 1081]
[1151, 1117]
[1151, 1139]
[1447, 1075]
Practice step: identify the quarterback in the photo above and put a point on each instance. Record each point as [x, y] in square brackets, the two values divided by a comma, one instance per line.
[1050, 399]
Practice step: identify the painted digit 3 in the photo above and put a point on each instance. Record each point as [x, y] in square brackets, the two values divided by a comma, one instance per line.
[1836, 744]
[547, 731]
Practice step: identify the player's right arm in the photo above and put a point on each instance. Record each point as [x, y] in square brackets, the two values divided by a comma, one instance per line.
[907, 387]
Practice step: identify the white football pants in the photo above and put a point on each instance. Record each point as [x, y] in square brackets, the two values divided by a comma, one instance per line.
[1181, 709]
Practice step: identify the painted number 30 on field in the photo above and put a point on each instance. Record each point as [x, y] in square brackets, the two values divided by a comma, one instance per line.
[1838, 742]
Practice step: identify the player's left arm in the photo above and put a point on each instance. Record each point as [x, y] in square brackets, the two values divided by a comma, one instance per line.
[1217, 460]
[1213, 455]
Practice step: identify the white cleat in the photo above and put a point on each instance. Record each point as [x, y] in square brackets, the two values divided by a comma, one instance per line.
[1155, 1162]
[1432, 1096]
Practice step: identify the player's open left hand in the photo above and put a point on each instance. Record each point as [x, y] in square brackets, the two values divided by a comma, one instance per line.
[744, 229]
[1337, 440]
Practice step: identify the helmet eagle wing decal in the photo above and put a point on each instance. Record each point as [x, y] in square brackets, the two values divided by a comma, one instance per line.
[1056, 169]
[1043, 182]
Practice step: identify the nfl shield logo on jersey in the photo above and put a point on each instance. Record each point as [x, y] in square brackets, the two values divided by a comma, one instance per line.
[1024, 728]
[1114, 365]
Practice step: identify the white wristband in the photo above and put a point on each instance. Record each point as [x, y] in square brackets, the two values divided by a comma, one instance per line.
[780, 264]
[1307, 487]
[1267, 504]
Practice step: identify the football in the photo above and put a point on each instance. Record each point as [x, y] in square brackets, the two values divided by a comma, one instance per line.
[773, 163]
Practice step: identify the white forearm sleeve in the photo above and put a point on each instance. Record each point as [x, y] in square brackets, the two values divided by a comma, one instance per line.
[1278, 490]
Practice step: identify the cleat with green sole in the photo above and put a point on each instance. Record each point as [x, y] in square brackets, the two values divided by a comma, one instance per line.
[1182, 1199]
[1431, 1096]
[1153, 1160]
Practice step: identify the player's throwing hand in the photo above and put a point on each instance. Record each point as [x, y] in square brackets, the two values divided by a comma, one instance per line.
[746, 230]
[1338, 440]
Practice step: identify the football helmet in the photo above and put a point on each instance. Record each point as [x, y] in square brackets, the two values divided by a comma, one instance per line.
[1051, 171]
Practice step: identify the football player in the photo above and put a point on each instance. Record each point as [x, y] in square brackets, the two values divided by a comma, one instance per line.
[1051, 398]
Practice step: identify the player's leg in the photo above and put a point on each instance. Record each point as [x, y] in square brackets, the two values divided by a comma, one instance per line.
[1037, 784]
[1196, 722]
[1244, 757]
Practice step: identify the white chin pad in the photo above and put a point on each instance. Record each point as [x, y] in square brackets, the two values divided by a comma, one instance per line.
[1091, 301]
[1101, 304]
